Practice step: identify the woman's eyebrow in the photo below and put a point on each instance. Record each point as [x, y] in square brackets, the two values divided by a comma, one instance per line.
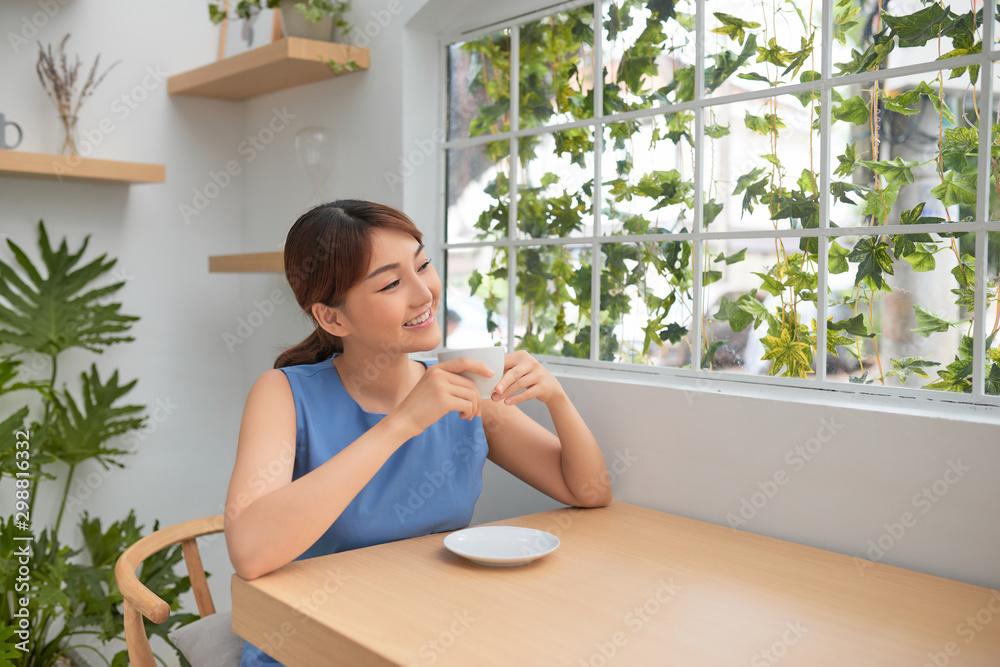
[390, 267]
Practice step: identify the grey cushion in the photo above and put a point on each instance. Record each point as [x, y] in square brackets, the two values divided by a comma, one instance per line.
[209, 641]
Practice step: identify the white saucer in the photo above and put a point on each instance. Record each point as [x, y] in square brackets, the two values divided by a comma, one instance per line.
[501, 546]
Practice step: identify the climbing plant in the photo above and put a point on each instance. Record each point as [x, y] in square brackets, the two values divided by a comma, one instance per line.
[727, 197]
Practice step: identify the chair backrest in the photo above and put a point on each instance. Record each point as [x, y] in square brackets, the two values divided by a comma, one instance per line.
[140, 601]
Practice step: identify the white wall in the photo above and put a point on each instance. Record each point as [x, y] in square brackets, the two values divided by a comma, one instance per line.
[182, 462]
[697, 453]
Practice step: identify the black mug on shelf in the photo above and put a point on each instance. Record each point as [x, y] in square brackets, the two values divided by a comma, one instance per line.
[4, 124]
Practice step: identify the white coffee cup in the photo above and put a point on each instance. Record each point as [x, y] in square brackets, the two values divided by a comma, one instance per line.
[491, 356]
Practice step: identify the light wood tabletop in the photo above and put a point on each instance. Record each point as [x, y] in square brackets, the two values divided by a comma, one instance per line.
[628, 586]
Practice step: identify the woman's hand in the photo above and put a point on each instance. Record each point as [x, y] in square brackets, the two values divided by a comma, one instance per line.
[523, 373]
[442, 390]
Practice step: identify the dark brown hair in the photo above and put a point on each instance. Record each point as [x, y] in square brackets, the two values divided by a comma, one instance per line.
[327, 252]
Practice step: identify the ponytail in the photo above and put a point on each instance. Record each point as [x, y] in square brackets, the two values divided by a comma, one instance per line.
[318, 346]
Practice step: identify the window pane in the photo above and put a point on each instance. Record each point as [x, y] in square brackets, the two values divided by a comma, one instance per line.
[646, 303]
[476, 297]
[553, 288]
[902, 305]
[479, 86]
[478, 192]
[759, 301]
[905, 32]
[556, 68]
[763, 167]
[751, 46]
[556, 184]
[648, 53]
[647, 175]
[905, 150]
[994, 187]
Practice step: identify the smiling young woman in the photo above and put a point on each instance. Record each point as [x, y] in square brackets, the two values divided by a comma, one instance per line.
[336, 437]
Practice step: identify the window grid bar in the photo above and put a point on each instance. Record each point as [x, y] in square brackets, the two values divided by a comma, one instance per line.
[826, 66]
[983, 198]
[598, 190]
[831, 232]
[513, 181]
[699, 167]
[792, 89]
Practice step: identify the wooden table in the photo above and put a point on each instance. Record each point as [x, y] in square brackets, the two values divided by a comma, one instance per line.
[628, 587]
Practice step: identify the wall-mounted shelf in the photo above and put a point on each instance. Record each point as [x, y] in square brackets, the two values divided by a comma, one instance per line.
[247, 263]
[282, 64]
[64, 168]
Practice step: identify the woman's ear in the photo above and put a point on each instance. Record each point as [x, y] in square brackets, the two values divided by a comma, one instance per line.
[330, 319]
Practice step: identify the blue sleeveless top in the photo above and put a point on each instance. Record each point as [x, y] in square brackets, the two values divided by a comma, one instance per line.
[429, 485]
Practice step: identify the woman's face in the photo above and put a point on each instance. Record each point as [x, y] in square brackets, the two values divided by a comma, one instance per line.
[394, 308]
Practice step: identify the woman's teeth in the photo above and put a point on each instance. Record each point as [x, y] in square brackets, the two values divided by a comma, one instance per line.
[419, 319]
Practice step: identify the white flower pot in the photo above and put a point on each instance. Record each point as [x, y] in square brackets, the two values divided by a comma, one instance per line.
[296, 25]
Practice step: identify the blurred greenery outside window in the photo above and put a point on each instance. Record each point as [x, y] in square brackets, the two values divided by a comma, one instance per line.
[783, 191]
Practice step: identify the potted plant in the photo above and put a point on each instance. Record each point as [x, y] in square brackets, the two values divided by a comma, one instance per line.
[58, 601]
[312, 19]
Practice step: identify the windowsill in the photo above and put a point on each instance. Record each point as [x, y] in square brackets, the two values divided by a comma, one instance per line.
[874, 401]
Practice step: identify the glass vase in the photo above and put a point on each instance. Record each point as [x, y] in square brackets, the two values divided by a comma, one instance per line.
[69, 136]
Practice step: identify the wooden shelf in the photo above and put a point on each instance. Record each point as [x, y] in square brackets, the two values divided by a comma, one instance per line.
[247, 263]
[282, 64]
[63, 168]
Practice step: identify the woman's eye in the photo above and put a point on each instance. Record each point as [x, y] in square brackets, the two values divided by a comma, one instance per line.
[424, 265]
[389, 286]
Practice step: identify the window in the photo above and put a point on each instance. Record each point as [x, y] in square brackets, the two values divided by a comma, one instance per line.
[779, 191]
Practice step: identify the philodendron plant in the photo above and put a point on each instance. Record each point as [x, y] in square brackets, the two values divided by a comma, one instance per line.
[57, 601]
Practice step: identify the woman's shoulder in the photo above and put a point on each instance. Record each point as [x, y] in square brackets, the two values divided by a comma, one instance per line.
[324, 366]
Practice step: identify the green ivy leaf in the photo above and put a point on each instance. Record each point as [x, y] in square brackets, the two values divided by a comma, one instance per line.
[673, 332]
[712, 209]
[872, 255]
[844, 19]
[854, 326]
[915, 29]
[853, 110]
[916, 365]
[709, 277]
[837, 258]
[956, 189]
[784, 353]
[881, 46]
[929, 323]
[733, 27]
[731, 259]
[770, 284]
[848, 161]
[734, 313]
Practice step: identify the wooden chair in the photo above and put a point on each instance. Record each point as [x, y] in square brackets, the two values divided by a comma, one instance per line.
[140, 601]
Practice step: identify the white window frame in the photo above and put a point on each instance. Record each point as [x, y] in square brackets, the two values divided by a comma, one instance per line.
[821, 389]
